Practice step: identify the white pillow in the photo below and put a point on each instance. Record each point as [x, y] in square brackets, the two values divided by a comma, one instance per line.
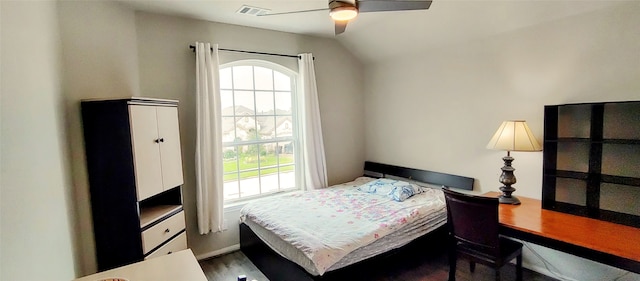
[395, 189]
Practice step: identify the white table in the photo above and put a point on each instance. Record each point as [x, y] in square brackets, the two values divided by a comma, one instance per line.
[175, 267]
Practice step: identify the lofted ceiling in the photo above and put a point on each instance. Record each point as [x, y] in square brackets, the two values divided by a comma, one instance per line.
[382, 35]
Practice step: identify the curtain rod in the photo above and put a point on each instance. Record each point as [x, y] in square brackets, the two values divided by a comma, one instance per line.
[192, 47]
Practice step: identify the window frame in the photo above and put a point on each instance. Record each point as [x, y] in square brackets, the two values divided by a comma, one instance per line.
[295, 138]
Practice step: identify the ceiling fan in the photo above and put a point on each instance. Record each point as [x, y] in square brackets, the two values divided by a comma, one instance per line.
[342, 11]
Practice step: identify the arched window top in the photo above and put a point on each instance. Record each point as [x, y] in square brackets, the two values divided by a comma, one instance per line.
[262, 63]
[257, 75]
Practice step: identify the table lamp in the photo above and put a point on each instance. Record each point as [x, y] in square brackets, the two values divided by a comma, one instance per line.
[512, 136]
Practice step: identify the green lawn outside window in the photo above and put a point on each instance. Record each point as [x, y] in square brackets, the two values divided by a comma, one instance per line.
[248, 163]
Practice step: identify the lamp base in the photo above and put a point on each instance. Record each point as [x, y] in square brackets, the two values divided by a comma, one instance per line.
[512, 200]
[508, 178]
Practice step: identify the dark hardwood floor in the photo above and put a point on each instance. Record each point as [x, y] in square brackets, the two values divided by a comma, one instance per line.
[432, 267]
[229, 266]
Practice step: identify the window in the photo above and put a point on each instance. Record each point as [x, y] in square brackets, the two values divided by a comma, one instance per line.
[258, 129]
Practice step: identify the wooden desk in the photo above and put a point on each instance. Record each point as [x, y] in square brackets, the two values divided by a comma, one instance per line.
[609, 243]
[176, 267]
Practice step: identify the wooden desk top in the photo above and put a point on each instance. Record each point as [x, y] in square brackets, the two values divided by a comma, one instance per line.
[177, 266]
[611, 238]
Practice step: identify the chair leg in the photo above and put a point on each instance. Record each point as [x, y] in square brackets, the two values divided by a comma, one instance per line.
[497, 274]
[519, 267]
[472, 266]
[452, 265]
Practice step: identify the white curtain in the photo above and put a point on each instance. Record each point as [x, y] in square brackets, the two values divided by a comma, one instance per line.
[314, 165]
[209, 182]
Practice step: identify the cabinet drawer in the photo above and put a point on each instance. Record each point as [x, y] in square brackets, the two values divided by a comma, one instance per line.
[176, 244]
[159, 233]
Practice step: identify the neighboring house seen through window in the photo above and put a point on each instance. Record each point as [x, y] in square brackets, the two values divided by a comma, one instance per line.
[258, 137]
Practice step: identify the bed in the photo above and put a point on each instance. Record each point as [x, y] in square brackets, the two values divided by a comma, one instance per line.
[358, 228]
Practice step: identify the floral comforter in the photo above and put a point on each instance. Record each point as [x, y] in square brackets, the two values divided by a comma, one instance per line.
[329, 223]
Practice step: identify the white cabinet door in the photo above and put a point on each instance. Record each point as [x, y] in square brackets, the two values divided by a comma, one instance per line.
[170, 153]
[146, 150]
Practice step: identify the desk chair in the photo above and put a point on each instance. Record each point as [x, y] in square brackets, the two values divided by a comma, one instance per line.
[473, 230]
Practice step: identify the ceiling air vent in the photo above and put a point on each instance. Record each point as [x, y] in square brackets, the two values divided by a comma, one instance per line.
[251, 11]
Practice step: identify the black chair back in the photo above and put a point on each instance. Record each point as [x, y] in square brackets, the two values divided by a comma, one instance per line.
[474, 220]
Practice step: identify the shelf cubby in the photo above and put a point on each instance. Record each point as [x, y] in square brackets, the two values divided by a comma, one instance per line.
[591, 160]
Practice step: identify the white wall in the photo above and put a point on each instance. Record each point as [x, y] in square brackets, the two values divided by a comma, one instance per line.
[438, 109]
[100, 61]
[167, 70]
[37, 212]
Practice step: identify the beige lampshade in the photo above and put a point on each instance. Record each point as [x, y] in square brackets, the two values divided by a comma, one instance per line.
[514, 136]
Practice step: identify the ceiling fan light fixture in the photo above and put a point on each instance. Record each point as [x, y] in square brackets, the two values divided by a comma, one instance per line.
[343, 13]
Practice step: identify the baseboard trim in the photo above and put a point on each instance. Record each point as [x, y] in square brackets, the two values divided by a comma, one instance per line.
[219, 252]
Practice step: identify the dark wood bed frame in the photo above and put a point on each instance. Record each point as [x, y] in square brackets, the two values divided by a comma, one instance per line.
[277, 268]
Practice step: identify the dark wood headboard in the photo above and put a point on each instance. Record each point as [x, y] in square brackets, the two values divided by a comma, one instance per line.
[436, 178]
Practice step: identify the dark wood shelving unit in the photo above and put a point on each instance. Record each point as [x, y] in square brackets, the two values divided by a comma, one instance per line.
[591, 161]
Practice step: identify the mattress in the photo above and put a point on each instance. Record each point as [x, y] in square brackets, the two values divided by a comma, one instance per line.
[332, 228]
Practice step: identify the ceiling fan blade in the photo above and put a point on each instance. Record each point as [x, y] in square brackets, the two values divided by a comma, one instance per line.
[341, 26]
[366, 6]
[294, 12]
